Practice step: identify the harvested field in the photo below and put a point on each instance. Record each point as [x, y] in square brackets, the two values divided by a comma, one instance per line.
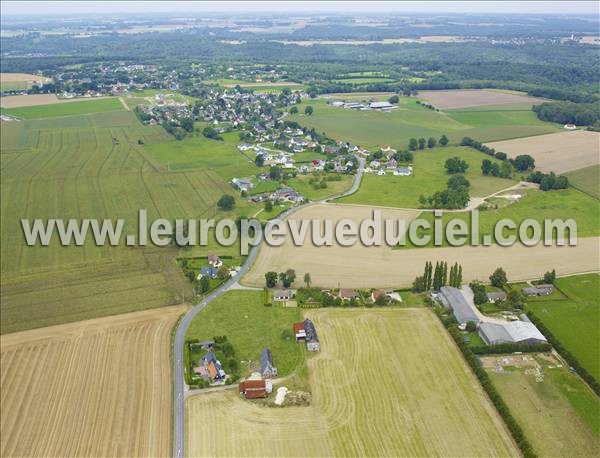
[451, 99]
[17, 101]
[20, 81]
[92, 388]
[559, 152]
[423, 402]
[360, 266]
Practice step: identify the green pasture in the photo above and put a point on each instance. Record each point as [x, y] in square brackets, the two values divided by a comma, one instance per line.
[56, 110]
[251, 326]
[64, 168]
[302, 184]
[575, 320]
[429, 176]
[560, 415]
[586, 180]
[372, 128]
[538, 205]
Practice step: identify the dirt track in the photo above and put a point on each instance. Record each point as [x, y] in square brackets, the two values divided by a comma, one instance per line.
[360, 266]
[91, 388]
[560, 152]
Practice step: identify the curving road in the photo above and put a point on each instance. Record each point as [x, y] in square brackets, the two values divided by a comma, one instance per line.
[179, 386]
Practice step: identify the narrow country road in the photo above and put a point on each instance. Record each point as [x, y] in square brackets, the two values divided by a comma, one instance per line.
[179, 386]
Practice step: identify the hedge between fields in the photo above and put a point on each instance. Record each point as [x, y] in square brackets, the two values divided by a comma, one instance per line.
[511, 348]
[515, 430]
[572, 360]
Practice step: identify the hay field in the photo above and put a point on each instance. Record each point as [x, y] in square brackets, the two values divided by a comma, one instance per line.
[452, 99]
[360, 266]
[371, 397]
[92, 388]
[559, 152]
[70, 167]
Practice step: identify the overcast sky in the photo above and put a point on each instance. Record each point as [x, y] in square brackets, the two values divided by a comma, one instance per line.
[78, 7]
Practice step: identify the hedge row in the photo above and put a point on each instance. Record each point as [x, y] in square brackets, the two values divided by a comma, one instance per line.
[511, 348]
[473, 361]
[573, 362]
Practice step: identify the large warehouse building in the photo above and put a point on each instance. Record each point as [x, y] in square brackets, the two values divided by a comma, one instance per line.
[510, 332]
[462, 310]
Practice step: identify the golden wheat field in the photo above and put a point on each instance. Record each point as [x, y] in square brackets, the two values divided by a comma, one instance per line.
[373, 267]
[93, 388]
[386, 383]
[559, 152]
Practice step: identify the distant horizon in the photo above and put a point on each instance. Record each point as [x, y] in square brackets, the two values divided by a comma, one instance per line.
[78, 8]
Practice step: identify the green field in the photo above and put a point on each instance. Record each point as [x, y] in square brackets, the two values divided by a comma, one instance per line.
[302, 185]
[586, 180]
[69, 168]
[574, 321]
[372, 128]
[429, 176]
[199, 152]
[560, 415]
[250, 327]
[365, 80]
[66, 109]
[538, 205]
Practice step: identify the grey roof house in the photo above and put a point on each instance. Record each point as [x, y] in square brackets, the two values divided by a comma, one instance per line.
[267, 368]
[455, 299]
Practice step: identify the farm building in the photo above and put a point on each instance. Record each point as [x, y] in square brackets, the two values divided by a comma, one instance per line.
[210, 272]
[570, 126]
[381, 105]
[385, 292]
[348, 293]
[284, 294]
[403, 171]
[241, 184]
[267, 369]
[510, 332]
[496, 296]
[299, 332]
[461, 308]
[253, 389]
[214, 260]
[538, 290]
[312, 340]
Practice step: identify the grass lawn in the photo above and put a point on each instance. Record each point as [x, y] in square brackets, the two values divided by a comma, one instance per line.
[539, 205]
[429, 176]
[575, 321]
[586, 180]
[250, 327]
[198, 152]
[560, 415]
[372, 128]
[65, 109]
[302, 185]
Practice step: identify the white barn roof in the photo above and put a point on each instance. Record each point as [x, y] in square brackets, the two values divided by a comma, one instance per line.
[510, 332]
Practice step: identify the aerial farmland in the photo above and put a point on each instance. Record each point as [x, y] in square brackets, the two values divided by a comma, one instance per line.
[192, 261]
